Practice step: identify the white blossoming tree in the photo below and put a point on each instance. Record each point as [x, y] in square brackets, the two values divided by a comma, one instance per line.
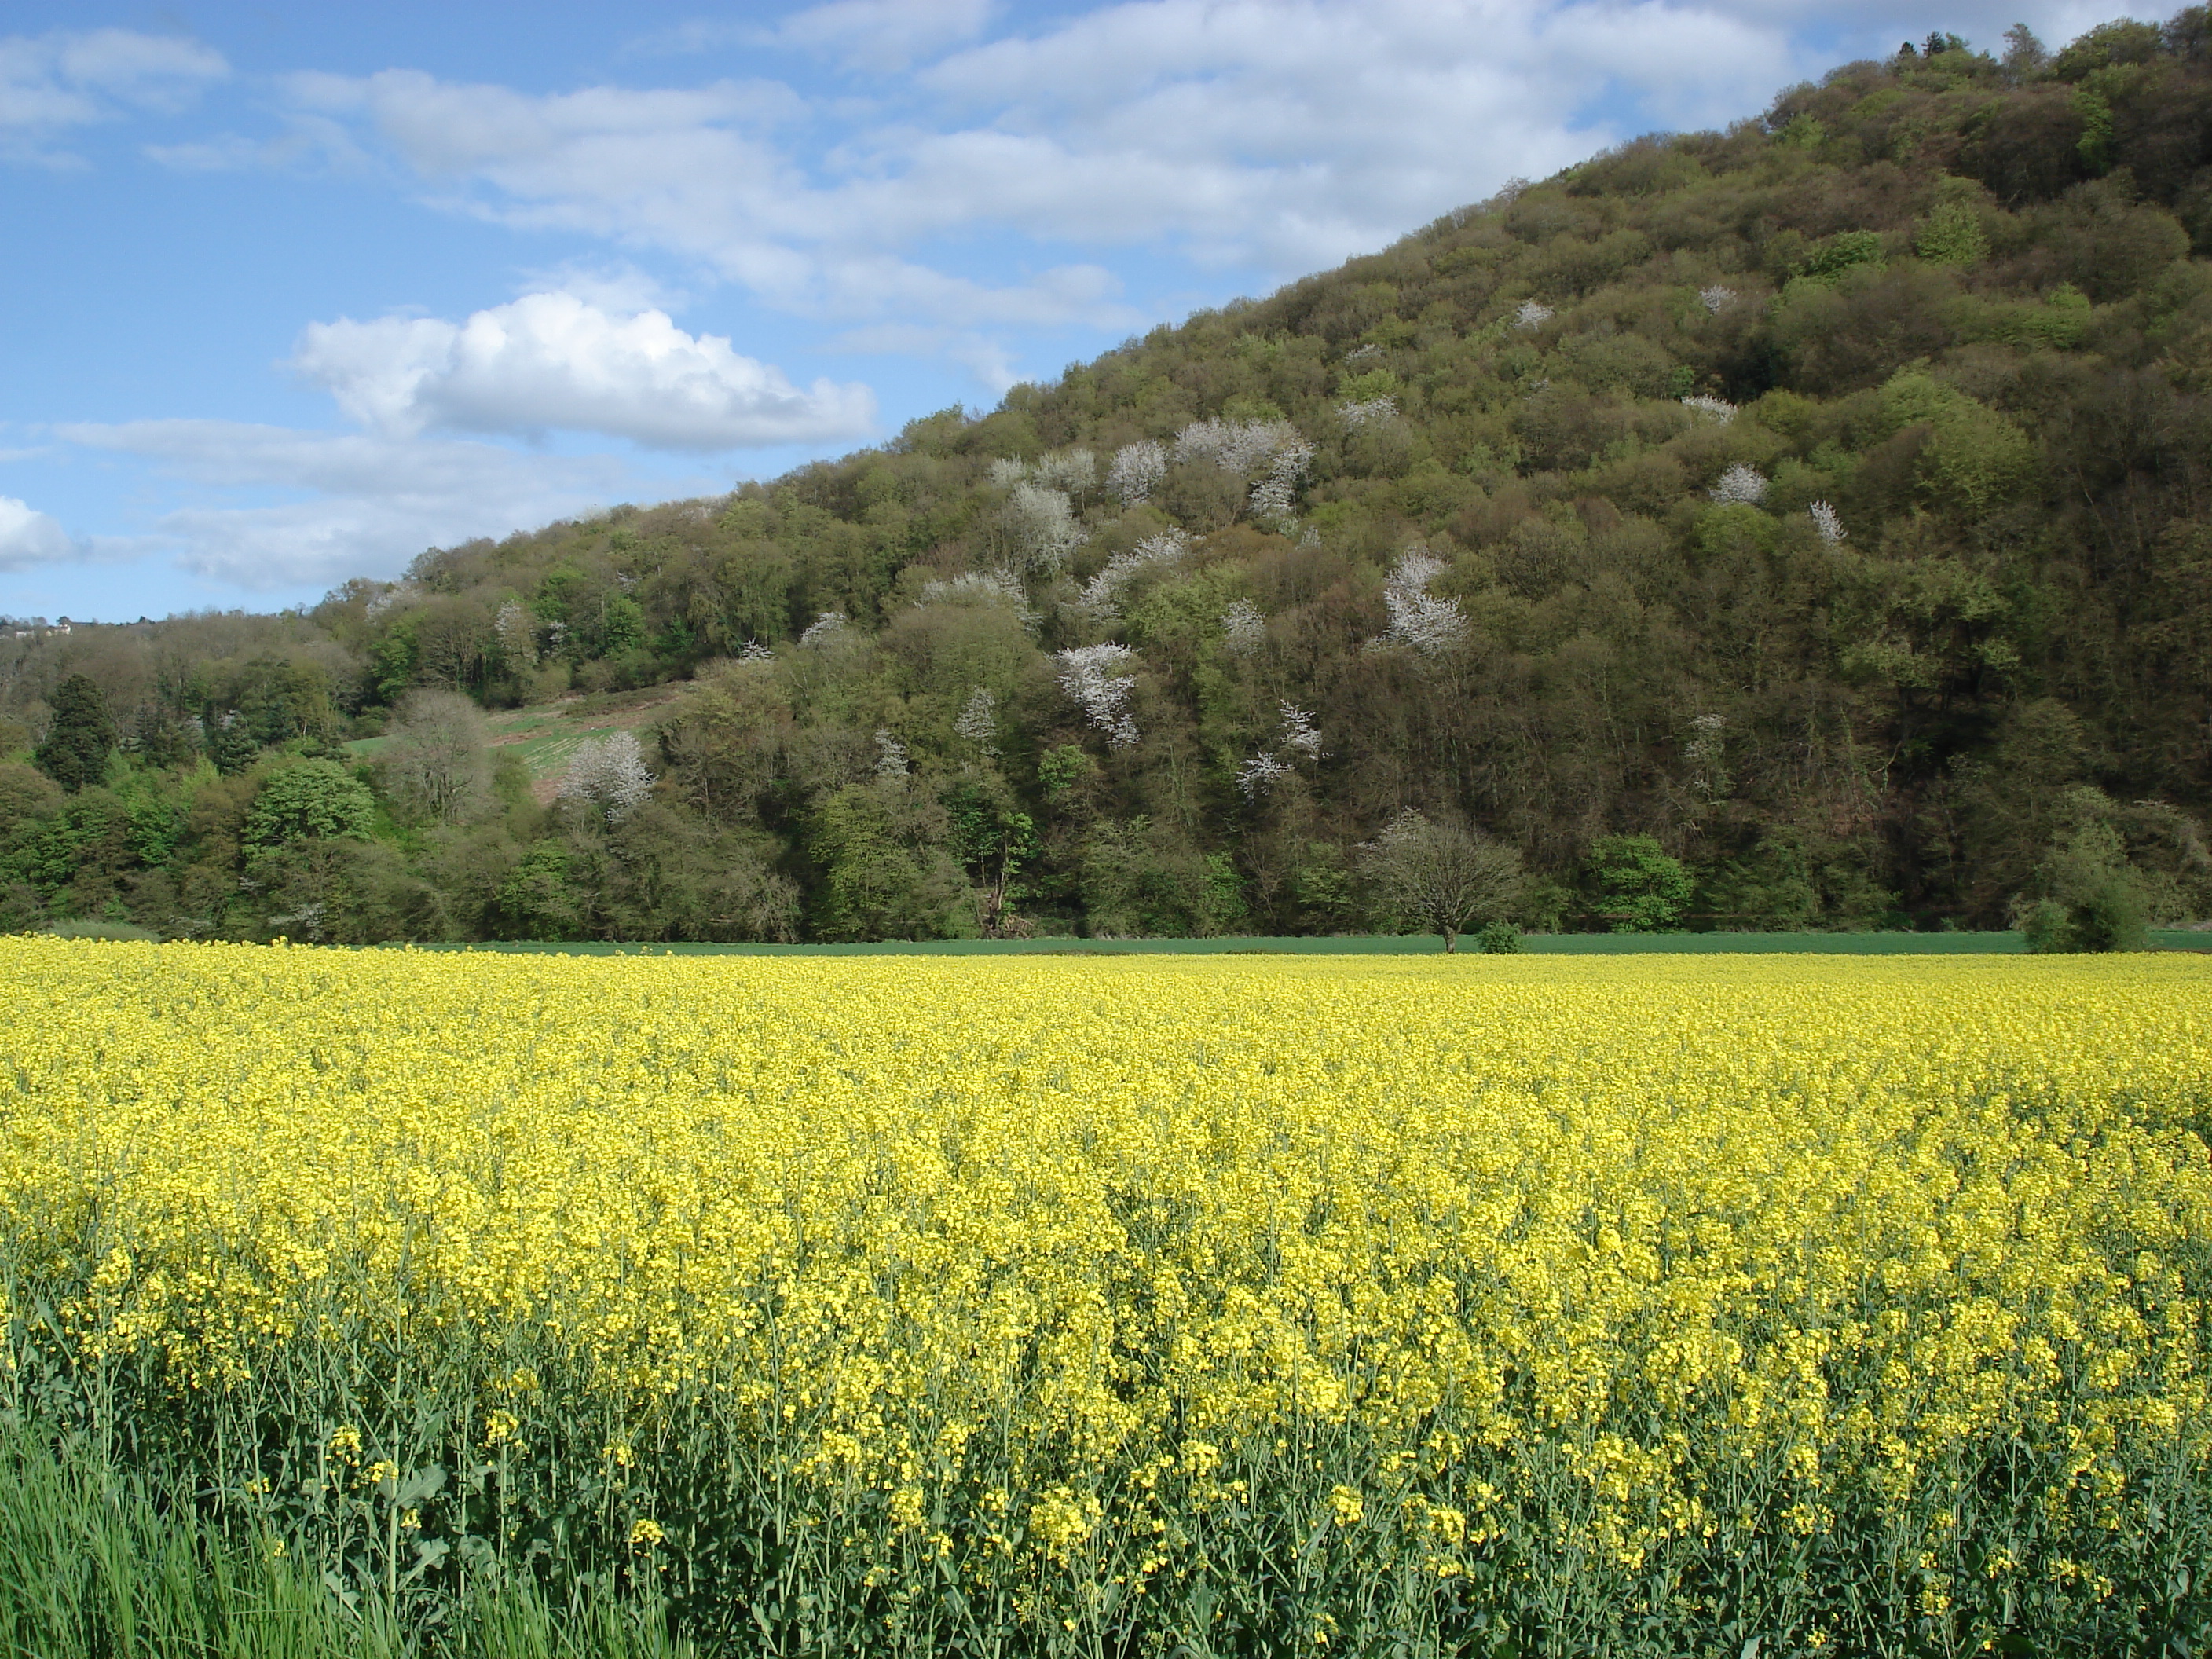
[1244, 448]
[1274, 498]
[1137, 470]
[978, 722]
[1742, 485]
[1364, 411]
[608, 776]
[981, 587]
[890, 756]
[1420, 619]
[1102, 679]
[1298, 740]
[1260, 774]
[1242, 627]
[517, 632]
[1100, 598]
[1045, 531]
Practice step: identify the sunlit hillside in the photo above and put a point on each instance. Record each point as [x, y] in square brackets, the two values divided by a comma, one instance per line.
[1821, 505]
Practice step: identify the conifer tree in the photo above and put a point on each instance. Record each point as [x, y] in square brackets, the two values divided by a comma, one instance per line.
[81, 736]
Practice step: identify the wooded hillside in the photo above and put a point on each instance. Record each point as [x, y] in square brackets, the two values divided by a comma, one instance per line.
[1824, 500]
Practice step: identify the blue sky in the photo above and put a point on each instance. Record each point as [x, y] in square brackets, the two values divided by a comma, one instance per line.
[293, 292]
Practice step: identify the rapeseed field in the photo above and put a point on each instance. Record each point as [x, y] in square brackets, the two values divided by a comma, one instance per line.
[1666, 1305]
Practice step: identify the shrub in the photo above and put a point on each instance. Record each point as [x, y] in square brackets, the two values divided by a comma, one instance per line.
[1499, 939]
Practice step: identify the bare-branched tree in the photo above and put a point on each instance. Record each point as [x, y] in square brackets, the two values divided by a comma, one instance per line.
[1441, 876]
[434, 761]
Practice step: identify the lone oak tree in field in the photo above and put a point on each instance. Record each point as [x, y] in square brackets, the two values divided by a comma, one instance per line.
[1441, 875]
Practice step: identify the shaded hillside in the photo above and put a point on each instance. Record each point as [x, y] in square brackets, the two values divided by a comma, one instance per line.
[1825, 499]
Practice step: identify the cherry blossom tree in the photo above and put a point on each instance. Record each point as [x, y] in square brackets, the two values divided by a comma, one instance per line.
[1101, 678]
[1742, 485]
[1242, 627]
[1419, 618]
[608, 774]
[1100, 599]
[1137, 470]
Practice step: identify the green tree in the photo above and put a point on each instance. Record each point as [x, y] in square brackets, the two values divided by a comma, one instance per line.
[230, 743]
[1141, 879]
[622, 626]
[283, 700]
[340, 890]
[1642, 890]
[392, 660]
[2087, 896]
[25, 793]
[884, 876]
[1061, 769]
[1974, 458]
[309, 800]
[81, 735]
[535, 899]
[991, 837]
[1952, 235]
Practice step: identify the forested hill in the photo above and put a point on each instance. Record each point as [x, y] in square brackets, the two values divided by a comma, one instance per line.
[1825, 501]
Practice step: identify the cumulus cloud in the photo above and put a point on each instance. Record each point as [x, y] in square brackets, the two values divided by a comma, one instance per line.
[360, 504]
[71, 78]
[28, 537]
[552, 362]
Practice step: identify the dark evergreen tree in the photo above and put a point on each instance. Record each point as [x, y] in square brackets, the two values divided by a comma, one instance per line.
[230, 743]
[81, 735]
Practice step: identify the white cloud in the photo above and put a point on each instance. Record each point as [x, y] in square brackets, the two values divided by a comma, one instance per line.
[553, 362]
[51, 83]
[360, 505]
[153, 71]
[308, 143]
[884, 36]
[1276, 134]
[619, 288]
[880, 37]
[985, 358]
[28, 537]
[700, 174]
